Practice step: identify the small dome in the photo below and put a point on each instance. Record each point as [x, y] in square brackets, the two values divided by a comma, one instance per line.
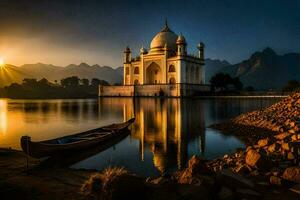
[164, 37]
[180, 39]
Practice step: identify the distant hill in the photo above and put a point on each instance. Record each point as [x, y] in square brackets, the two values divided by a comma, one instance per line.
[266, 69]
[11, 73]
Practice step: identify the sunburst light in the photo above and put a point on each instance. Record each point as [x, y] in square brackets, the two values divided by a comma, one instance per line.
[2, 63]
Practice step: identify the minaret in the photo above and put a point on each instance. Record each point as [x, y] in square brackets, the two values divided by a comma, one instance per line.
[200, 47]
[127, 55]
[181, 45]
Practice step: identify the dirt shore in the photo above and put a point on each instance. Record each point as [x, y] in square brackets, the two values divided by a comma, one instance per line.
[194, 182]
[16, 182]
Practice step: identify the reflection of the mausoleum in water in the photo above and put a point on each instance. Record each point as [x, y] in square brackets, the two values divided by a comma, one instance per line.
[165, 127]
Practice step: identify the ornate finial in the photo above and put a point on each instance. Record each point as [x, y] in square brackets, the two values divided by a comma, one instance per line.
[166, 28]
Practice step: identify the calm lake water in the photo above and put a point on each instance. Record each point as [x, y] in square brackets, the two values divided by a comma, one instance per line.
[167, 132]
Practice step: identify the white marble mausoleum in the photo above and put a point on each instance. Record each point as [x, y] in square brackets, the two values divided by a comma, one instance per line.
[166, 69]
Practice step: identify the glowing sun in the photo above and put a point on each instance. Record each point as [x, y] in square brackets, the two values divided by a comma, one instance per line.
[2, 63]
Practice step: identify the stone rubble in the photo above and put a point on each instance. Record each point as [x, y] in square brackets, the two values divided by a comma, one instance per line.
[272, 157]
[267, 168]
[282, 117]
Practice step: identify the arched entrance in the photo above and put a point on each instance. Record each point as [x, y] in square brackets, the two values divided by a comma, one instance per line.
[153, 74]
[172, 80]
[136, 82]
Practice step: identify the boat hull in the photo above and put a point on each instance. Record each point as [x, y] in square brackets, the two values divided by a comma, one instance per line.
[52, 147]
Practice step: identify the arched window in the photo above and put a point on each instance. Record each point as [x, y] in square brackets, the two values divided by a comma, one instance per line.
[136, 70]
[172, 80]
[172, 68]
[136, 82]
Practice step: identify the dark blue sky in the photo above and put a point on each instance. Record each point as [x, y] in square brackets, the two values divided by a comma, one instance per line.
[63, 32]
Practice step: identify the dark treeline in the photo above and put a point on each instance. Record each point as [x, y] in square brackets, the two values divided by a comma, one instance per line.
[292, 86]
[224, 82]
[70, 87]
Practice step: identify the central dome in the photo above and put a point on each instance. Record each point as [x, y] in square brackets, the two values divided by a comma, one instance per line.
[165, 36]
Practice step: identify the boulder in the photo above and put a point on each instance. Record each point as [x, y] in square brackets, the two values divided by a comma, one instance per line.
[249, 148]
[191, 175]
[292, 131]
[274, 180]
[273, 148]
[281, 136]
[255, 159]
[285, 146]
[263, 142]
[196, 165]
[295, 137]
[292, 174]
[290, 156]
[292, 124]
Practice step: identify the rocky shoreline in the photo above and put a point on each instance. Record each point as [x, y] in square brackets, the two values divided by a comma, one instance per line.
[272, 136]
[267, 168]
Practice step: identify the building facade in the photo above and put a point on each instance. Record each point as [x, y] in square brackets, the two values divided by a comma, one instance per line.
[166, 69]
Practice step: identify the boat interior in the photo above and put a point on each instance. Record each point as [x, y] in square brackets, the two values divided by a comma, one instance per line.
[78, 138]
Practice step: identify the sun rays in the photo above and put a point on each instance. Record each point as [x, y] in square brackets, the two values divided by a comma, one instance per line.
[2, 63]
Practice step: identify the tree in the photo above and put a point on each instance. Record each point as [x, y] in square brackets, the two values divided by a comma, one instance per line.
[70, 81]
[237, 83]
[223, 81]
[249, 88]
[292, 85]
[96, 82]
[43, 81]
[29, 82]
[85, 82]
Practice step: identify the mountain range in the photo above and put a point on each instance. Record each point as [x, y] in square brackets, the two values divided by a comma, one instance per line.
[11, 73]
[263, 70]
[266, 69]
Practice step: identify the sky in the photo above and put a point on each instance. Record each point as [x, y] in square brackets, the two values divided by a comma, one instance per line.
[96, 32]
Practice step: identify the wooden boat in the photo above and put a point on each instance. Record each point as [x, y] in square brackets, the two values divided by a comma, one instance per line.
[75, 142]
[67, 159]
